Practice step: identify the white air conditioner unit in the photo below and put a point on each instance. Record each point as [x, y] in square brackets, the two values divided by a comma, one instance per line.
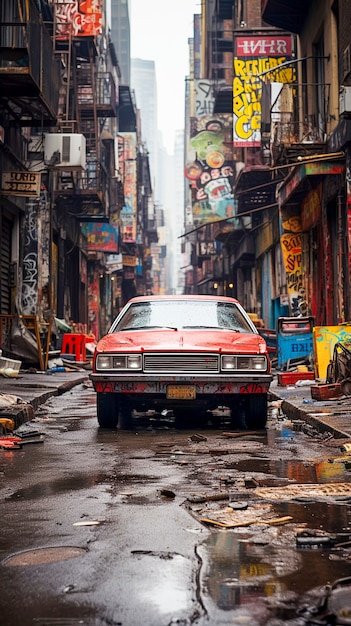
[345, 101]
[65, 150]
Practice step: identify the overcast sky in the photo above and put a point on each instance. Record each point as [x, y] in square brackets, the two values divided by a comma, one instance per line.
[160, 30]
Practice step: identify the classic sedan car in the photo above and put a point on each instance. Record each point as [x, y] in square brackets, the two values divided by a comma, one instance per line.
[188, 354]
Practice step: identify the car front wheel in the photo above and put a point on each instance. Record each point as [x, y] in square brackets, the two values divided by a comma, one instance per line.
[107, 410]
[256, 412]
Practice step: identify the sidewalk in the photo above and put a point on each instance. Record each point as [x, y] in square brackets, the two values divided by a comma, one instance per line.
[33, 389]
[332, 416]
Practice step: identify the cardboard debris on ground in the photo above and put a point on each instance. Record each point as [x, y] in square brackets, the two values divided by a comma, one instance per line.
[288, 492]
[230, 518]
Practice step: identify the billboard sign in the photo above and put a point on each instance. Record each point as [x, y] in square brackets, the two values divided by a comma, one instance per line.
[257, 60]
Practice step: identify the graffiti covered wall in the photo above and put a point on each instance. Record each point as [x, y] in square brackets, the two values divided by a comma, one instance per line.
[80, 18]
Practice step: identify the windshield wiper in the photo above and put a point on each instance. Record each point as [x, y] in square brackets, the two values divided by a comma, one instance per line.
[149, 328]
[234, 330]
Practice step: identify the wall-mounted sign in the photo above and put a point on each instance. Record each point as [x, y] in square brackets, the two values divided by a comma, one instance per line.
[257, 60]
[206, 248]
[21, 184]
[128, 260]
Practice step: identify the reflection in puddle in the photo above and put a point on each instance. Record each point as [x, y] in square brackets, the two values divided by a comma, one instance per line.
[265, 572]
[295, 470]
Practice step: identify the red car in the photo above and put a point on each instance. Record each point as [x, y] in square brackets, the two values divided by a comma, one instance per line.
[190, 354]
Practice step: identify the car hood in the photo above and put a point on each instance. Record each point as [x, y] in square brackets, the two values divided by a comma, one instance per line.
[184, 340]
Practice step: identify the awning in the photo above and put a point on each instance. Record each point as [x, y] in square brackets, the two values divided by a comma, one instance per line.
[298, 182]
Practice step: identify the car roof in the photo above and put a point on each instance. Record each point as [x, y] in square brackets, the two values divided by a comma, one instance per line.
[187, 298]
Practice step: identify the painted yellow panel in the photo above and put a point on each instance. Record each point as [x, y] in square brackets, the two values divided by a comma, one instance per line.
[324, 340]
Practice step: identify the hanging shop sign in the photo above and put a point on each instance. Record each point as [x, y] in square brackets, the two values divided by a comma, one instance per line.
[21, 184]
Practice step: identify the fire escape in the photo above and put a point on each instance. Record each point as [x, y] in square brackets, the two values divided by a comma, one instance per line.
[88, 99]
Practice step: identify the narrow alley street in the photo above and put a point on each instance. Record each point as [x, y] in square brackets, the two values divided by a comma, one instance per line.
[157, 526]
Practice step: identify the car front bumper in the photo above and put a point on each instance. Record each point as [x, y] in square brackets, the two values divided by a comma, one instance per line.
[160, 385]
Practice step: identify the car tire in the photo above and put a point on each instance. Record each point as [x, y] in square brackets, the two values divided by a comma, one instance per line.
[107, 410]
[238, 412]
[125, 420]
[256, 411]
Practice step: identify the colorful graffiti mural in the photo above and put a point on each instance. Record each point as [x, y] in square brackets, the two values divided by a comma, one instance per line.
[210, 168]
[127, 159]
[291, 245]
[100, 236]
[80, 18]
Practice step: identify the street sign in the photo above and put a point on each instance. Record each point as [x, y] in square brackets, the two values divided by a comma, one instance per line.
[21, 184]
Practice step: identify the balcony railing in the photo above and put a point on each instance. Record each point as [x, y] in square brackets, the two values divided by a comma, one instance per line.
[99, 92]
[28, 70]
[85, 195]
[301, 117]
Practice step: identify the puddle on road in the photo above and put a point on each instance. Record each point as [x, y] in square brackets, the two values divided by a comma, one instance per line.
[69, 483]
[78, 482]
[264, 575]
[295, 470]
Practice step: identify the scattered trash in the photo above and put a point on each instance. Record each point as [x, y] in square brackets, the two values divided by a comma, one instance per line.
[334, 606]
[6, 423]
[228, 518]
[16, 442]
[7, 399]
[208, 498]
[166, 493]
[238, 506]
[197, 437]
[306, 539]
[250, 483]
[9, 367]
[87, 523]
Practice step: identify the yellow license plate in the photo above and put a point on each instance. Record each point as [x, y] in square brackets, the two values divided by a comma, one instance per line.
[181, 392]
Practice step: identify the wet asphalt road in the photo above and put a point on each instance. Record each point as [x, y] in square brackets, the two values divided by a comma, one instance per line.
[104, 527]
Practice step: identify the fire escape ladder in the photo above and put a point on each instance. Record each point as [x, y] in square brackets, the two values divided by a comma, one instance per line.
[86, 105]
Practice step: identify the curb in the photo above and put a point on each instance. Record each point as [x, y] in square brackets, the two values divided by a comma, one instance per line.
[296, 413]
[19, 413]
[25, 412]
[69, 384]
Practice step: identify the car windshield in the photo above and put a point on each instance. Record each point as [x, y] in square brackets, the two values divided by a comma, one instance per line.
[183, 314]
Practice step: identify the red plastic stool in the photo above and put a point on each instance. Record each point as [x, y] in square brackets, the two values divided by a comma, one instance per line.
[74, 344]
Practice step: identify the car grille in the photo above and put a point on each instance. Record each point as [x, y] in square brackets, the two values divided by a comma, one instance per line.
[180, 363]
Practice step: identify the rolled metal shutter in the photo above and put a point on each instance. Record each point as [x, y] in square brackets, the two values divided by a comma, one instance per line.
[5, 259]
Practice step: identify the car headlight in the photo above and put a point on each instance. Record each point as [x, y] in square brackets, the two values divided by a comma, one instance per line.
[244, 363]
[119, 362]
